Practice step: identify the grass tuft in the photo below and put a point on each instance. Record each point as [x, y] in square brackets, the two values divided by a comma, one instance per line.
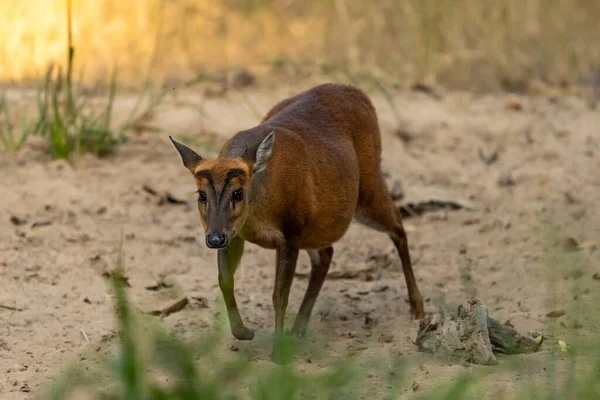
[12, 134]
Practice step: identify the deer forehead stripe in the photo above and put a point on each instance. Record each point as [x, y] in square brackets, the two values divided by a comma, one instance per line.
[204, 173]
[233, 173]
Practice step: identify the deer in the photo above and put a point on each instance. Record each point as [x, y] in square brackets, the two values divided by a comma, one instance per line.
[295, 182]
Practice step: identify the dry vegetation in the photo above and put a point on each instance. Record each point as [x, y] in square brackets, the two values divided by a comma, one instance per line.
[460, 43]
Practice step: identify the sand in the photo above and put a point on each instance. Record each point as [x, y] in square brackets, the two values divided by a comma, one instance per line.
[62, 225]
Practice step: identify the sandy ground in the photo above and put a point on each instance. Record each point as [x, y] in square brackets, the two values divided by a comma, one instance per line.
[62, 225]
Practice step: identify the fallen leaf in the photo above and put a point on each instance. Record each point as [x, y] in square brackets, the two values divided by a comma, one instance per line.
[588, 244]
[202, 302]
[544, 179]
[420, 200]
[150, 190]
[116, 275]
[386, 337]
[556, 313]
[562, 346]
[414, 386]
[38, 224]
[428, 90]
[570, 199]
[570, 244]
[380, 288]
[488, 159]
[506, 180]
[163, 198]
[370, 321]
[161, 284]
[17, 221]
[514, 105]
[173, 308]
[173, 200]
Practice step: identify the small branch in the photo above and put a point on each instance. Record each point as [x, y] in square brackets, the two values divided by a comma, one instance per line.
[10, 308]
[173, 308]
[84, 335]
[340, 274]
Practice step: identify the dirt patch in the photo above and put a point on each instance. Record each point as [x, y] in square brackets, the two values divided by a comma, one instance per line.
[63, 225]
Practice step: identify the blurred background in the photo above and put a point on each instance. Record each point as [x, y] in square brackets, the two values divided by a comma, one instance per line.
[461, 44]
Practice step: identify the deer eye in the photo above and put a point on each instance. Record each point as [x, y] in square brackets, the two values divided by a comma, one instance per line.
[201, 196]
[237, 195]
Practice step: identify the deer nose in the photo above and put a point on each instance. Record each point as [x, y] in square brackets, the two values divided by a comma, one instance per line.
[216, 240]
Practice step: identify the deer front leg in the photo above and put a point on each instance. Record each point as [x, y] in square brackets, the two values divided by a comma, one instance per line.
[229, 259]
[287, 256]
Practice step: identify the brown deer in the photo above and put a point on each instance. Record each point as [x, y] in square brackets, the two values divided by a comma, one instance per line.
[295, 182]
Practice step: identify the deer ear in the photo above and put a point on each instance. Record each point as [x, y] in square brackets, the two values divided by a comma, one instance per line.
[263, 153]
[189, 157]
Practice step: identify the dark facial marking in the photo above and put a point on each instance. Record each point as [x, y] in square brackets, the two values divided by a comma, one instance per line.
[205, 173]
[232, 173]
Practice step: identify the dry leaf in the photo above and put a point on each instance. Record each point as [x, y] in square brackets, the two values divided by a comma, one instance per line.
[556, 313]
[562, 346]
[588, 244]
[514, 104]
[173, 308]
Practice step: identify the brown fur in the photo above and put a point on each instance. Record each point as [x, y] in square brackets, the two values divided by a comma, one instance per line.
[324, 169]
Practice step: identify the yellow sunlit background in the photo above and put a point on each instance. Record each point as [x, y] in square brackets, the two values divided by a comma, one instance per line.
[451, 41]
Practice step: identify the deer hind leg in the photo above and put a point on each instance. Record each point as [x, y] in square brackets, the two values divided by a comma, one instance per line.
[320, 261]
[287, 256]
[376, 210]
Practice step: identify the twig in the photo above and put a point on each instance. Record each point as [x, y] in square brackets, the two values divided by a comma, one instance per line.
[173, 308]
[10, 308]
[150, 190]
[340, 274]
[84, 335]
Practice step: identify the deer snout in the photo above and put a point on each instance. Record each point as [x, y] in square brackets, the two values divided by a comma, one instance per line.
[217, 240]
